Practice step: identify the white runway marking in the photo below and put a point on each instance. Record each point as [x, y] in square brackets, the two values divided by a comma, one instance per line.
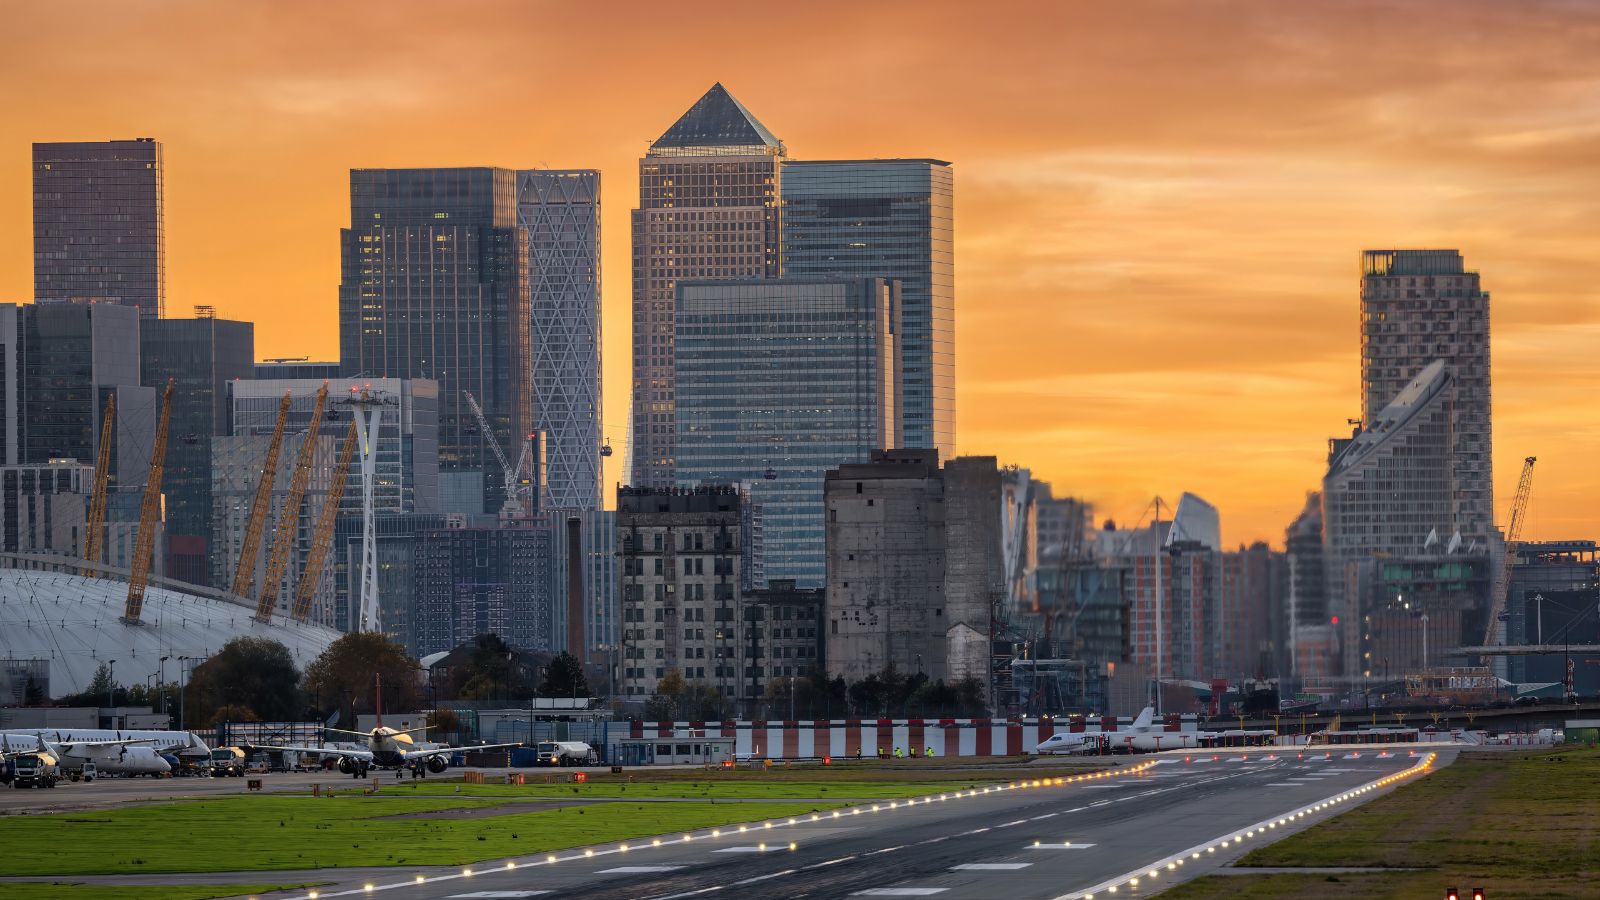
[637, 870]
[1067, 846]
[900, 892]
[1283, 784]
[990, 867]
[502, 894]
[745, 848]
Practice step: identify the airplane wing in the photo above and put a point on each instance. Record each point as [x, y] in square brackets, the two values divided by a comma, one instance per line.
[69, 746]
[324, 751]
[438, 751]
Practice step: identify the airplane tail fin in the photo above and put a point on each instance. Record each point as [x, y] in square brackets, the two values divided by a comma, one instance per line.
[1146, 717]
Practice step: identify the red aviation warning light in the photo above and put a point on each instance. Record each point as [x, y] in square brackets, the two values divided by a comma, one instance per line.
[1452, 894]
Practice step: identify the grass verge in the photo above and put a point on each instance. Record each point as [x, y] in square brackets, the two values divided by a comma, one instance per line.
[74, 890]
[238, 834]
[1516, 824]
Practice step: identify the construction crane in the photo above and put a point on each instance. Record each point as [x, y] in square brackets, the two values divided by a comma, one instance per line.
[322, 538]
[1495, 632]
[289, 515]
[513, 507]
[144, 543]
[97, 505]
[251, 548]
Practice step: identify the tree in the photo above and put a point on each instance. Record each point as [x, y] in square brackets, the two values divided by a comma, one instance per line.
[231, 712]
[256, 675]
[700, 702]
[563, 677]
[492, 672]
[32, 694]
[442, 723]
[100, 688]
[343, 676]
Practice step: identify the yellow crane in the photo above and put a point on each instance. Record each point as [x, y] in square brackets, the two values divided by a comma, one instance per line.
[289, 516]
[251, 548]
[322, 538]
[1495, 632]
[97, 505]
[144, 544]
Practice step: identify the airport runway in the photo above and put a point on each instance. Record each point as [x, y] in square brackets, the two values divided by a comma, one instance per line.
[1051, 841]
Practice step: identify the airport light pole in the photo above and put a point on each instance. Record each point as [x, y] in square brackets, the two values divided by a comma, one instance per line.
[181, 704]
[111, 683]
[161, 682]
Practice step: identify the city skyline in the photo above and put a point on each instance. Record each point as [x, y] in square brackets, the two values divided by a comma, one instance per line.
[1123, 273]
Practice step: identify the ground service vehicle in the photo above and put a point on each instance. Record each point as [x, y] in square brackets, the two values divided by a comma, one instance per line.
[34, 770]
[228, 761]
[566, 753]
[85, 772]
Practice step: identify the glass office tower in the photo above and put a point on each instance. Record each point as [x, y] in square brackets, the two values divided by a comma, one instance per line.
[779, 381]
[203, 355]
[435, 285]
[887, 218]
[708, 208]
[561, 211]
[98, 233]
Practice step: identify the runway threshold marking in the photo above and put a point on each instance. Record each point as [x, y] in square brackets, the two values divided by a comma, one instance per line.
[989, 867]
[507, 895]
[900, 892]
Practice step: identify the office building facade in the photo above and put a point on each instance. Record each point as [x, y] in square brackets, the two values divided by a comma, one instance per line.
[472, 581]
[888, 218]
[202, 356]
[778, 381]
[98, 228]
[560, 208]
[436, 286]
[708, 208]
[1419, 306]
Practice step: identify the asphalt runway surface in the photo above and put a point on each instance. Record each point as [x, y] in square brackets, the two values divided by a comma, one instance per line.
[1050, 841]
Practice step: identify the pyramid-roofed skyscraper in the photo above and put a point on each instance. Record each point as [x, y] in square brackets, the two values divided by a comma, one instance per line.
[708, 209]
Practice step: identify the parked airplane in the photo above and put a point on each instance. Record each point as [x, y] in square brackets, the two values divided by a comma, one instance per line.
[1096, 741]
[121, 756]
[386, 748]
[1145, 736]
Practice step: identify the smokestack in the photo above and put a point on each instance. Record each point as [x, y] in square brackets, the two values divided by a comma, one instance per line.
[575, 643]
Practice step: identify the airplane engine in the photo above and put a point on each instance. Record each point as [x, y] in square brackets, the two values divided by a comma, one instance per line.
[436, 764]
[347, 765]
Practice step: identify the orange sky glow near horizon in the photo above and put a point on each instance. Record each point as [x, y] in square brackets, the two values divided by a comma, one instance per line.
[1159, 205]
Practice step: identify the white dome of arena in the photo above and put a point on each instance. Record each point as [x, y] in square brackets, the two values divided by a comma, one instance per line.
[74, 623]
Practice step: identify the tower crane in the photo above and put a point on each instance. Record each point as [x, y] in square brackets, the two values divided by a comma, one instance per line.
[251, 548]
[513, 507]
[1495, 632]
[144, 543]
[322, 538]
[95, 529]
[289, 515]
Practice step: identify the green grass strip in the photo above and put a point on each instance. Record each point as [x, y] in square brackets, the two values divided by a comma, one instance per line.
[263, 833]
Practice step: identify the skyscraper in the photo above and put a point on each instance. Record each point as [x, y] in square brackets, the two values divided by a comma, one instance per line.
[435, 285]
[204, 355]
[1418, 306]
[97, 224]
[888, 218]
[708, 208]
[778, 381]
[561, 211]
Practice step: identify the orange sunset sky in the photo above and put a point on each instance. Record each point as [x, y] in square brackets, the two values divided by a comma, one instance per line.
[1159, 206]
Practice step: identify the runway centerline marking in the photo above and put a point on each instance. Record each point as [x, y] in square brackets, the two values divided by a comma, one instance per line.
[990, 867]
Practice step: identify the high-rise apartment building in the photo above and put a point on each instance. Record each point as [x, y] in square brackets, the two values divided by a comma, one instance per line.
[708, 208]
[778, 381]
[435, 285]
[98, 234]
[679, 554]
[1419, 306]
[1389, 492]
[203, 356]
[560, 208]
[888, 218]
